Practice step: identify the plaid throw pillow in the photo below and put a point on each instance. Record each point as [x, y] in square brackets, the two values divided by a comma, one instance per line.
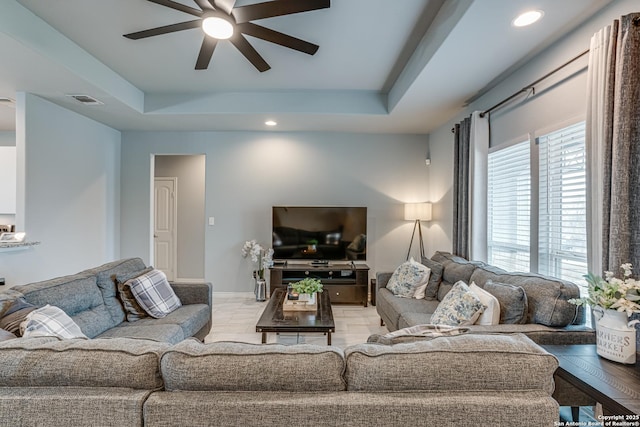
[154, 294]
[50, 321]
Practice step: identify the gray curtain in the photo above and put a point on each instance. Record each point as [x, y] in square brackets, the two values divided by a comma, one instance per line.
[621, 168]
[462, 133]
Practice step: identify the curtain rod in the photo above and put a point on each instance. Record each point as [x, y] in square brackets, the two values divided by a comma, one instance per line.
[531, 85]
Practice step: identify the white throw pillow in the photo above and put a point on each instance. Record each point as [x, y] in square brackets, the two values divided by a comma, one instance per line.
[460, 307]
[408, 278]
[491, 313]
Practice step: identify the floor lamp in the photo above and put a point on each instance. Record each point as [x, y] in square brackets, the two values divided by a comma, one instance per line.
[417, 212]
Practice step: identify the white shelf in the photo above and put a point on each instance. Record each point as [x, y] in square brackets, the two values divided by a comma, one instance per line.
[13, 247]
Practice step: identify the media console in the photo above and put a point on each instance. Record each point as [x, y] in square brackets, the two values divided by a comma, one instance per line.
[346, 282]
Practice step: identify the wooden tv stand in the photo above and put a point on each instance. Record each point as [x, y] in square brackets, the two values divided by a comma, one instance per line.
[345, 282]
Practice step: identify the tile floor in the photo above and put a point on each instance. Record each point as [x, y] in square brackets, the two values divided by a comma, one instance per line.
[235, 316]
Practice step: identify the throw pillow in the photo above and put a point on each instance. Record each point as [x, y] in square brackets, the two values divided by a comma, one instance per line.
[15, 314]
[50, 321]
[431, 292]
[132, 309]
[6, 335]
[460, 307]
[416, 333]
[407, 278]
[491, 313]
[154, 294]
[514, 307]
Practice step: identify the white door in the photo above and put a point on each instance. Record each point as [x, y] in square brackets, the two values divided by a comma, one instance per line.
[165, 226]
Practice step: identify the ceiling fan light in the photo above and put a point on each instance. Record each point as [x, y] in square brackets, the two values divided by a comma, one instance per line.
[217, 27]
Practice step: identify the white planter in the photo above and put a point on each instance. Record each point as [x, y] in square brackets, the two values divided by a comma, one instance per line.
[616, 337]
[308, 298]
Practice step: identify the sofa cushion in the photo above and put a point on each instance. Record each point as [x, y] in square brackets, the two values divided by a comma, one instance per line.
[106, 281]
[513, 302]
[547, 298]
[154, 294]
[15, 314]
[458, 308]
[7, 297]
[133, 310]
[43, 362]
[431, 291]
[392, 307]
[50, 321]
[491, 313]
[6, 335]
[231, 366]
[409, 278]
[171, 334]
[190, 318]
[78, 296]
[465, 362]
[455, 268]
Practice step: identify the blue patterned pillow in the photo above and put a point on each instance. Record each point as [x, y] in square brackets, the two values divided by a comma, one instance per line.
[410, 277]
[459, 307]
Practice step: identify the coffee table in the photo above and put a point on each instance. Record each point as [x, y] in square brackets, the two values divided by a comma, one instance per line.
[274, 319]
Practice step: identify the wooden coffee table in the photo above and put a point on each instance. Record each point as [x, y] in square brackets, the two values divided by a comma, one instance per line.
[274, 319]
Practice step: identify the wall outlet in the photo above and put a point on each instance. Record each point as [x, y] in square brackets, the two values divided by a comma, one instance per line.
[212, 220]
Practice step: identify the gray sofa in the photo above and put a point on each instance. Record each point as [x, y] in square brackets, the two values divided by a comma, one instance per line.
[551, 319]
[90, 299]
[500, 380]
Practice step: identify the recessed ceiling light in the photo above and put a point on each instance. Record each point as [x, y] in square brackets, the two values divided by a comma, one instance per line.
[527, 18]
[270, 123]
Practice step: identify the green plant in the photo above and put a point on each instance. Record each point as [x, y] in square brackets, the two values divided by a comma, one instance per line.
[312, 242]
[307, 286]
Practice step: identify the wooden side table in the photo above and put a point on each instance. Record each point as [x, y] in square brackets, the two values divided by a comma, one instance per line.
[614, 385]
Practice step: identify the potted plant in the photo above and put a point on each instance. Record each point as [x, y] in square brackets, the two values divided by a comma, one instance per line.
[307, 289]
[312, 245]
[613, 300]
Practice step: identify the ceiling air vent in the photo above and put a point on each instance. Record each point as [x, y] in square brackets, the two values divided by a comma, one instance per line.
[86, 99]
[8, 102]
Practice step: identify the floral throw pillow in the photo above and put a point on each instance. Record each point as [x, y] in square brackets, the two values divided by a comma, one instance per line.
[460, 307]
[408, 278]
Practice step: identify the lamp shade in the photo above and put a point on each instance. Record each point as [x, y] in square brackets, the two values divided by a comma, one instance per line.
[420, 211]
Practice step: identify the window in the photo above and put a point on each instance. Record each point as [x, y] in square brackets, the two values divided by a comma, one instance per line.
[562, 204]
[509, 207]
[537, 205]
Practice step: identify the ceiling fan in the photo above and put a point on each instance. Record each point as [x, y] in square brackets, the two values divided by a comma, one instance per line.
[221, 19]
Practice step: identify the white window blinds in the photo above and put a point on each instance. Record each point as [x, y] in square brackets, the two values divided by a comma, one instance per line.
[509, 207]
[562, 204]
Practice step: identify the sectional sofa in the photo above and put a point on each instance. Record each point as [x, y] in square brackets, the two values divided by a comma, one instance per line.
[91, 299]
[548, 319]
[493, 381]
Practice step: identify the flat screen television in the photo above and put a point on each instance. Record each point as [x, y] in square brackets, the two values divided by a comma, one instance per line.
[319, 233]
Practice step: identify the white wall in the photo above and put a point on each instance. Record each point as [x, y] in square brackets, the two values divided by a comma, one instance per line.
[68, 185]
[247, 173]
[559, 99]
[7, 139]
[190, 171]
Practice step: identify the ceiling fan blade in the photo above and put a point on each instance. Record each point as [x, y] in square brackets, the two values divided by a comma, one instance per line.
[206, 52]
[277, 8]
[177, 6]
[164, 30]
[241, 43]
[279, 38]
[205, 5]
[225, 5]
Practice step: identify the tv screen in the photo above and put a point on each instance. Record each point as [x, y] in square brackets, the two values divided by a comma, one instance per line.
[319, 233]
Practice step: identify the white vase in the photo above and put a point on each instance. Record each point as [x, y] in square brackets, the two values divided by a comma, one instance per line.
[616, 337]
[308, 298]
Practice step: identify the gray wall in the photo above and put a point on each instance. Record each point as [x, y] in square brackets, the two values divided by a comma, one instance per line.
[68, 168]
[249, 172]
[190, 171]
[558, 100]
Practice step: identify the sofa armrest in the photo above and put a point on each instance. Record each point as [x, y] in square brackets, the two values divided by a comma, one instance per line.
[193, 293]
[382, 278]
